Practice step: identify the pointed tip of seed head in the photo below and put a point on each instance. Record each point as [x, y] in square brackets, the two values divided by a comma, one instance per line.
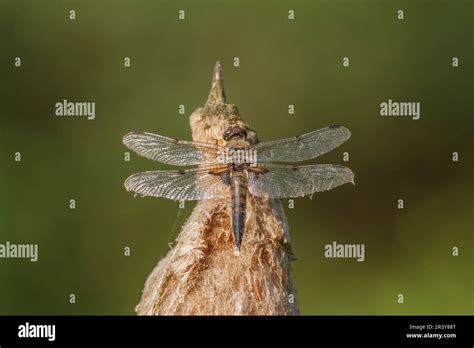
[217, 71]
[216, 94]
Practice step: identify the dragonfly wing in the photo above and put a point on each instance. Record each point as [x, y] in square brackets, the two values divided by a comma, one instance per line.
[172, 151]
[191, 184]
[302, 147]
[279, 181]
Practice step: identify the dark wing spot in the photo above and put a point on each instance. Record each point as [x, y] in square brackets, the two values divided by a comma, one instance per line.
[298, 137]
[181, 172]
[334, 126]
[225, 177]
[295, 168]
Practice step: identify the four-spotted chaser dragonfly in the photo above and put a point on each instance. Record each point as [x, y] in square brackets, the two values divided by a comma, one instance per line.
[231, 172]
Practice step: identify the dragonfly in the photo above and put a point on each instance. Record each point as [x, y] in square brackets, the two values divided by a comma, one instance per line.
[238, 168]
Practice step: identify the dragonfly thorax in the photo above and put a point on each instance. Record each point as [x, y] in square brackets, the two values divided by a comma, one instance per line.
[239, 156]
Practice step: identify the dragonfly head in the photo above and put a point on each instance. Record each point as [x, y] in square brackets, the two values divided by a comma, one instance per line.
[235, 131]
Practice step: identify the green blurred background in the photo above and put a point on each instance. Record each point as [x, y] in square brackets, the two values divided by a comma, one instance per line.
[282, 62]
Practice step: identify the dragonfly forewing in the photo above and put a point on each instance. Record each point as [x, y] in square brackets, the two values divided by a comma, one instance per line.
[172, 151]
[302, 147]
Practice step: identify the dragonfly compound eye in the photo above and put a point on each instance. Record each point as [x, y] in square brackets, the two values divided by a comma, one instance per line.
[235, 131]
[227, 134]
[242, 133]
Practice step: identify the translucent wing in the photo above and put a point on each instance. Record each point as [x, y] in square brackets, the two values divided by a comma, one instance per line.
[302, 147]
[191, 184]
[281, 181]
[172, 151]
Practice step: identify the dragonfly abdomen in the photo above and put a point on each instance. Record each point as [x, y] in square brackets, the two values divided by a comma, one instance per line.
[238, 184]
